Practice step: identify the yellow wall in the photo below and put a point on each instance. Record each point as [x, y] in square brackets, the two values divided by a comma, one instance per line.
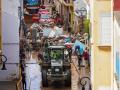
[100, 56]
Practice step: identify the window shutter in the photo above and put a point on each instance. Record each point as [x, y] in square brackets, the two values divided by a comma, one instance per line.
[105, 31]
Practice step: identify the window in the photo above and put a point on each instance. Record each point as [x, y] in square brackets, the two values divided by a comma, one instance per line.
[56, 54]
[105, 29]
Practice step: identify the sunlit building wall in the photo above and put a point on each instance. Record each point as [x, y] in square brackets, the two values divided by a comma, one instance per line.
[10, 39]
[101, 28]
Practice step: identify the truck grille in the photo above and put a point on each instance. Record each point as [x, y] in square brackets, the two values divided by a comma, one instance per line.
[57, 70]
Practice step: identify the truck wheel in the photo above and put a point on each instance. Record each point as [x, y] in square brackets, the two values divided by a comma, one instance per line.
[44, 78]
[68, 80]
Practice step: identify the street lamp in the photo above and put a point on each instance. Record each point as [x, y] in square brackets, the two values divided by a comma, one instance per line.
[3, 59]
[82, 13]
[84, 81]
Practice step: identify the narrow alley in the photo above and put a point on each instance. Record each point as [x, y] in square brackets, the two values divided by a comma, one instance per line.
[59, 44]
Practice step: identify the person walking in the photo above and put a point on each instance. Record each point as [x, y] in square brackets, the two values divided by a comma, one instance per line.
[22, 54]
[24, 80]
[79, 55]
[40, 57]
[50, 1]
[42, 2]
[28, 50]
[86, 57]
[22, 63]
[79, 60]
[53, 10]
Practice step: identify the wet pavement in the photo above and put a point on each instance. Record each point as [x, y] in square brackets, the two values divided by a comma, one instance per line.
[7, 85]
[52, 88]
[56, 86]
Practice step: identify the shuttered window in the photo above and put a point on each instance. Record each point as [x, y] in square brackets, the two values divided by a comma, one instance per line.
[105, 29]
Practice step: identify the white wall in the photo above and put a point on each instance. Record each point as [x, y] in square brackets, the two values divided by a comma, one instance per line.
[10, 38]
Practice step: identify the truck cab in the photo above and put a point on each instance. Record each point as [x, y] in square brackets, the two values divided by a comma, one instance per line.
[56, 65]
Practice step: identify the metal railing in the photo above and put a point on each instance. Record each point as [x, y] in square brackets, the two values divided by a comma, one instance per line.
[82, 80]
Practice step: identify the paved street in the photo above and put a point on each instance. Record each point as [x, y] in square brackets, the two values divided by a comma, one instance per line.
[7, 85]
[57, 88]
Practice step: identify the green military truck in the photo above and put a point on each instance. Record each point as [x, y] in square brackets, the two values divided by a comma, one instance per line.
[56, 65]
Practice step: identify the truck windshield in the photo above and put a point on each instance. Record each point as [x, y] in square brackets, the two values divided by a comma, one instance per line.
[56, 54]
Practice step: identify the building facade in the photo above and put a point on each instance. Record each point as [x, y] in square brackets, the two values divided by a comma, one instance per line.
[65, 8]
[101, 28]
[81, 14]
[10, 39]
